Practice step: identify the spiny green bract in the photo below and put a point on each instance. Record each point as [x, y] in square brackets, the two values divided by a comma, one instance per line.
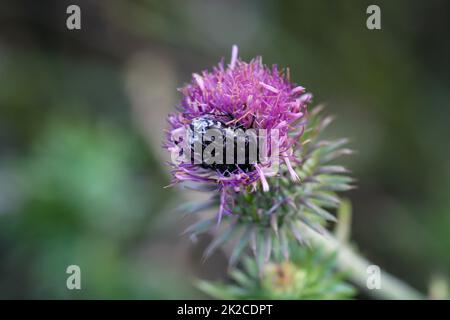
[308, 275]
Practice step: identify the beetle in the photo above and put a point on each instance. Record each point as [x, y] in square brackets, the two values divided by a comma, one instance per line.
[199, 128]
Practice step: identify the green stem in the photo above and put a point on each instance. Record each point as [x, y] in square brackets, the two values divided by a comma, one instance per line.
[356, 266]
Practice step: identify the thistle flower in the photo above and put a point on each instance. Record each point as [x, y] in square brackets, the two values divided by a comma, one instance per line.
[264, 208]
[267, 210]
[246, 96]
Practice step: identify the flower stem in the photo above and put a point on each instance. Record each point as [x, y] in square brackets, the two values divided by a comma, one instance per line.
[356, 266]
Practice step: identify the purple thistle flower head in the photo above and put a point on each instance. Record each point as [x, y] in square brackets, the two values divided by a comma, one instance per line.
[243, 95]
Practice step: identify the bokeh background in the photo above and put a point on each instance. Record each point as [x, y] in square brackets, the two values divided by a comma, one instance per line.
[82, 115]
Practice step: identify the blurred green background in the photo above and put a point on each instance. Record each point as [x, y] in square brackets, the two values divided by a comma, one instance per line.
[82, 115]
